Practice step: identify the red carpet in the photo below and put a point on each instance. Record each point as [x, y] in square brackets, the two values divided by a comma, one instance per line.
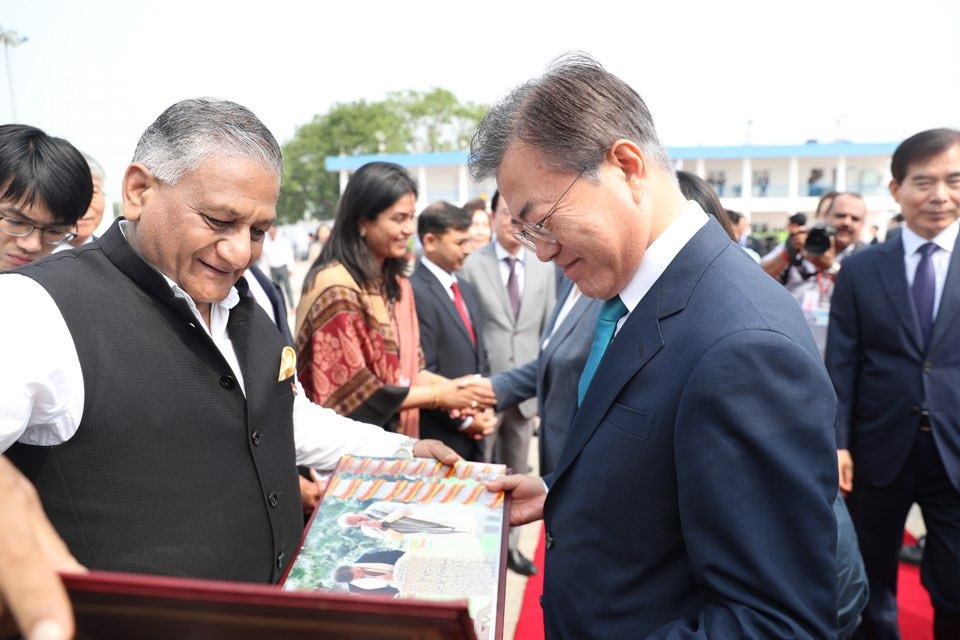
[916, 614]
[530, 624]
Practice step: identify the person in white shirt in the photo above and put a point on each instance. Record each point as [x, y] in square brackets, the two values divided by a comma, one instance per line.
[278, 258]
[154, 394]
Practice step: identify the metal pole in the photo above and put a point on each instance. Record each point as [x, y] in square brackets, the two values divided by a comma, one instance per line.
[10, 39]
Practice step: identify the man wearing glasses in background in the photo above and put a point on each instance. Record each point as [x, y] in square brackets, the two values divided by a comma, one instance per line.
[45, 186]
[517, 294]
[694, 495]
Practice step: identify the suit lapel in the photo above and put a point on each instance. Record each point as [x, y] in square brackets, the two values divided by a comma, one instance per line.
[238, 328]
[637, 342]
[640, 338]
[494, 281]
[532, 275]
[949, 300]
[893, 279]
[443, 299]
[563, 290]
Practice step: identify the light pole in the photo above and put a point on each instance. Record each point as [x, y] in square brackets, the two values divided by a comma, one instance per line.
[11, 39]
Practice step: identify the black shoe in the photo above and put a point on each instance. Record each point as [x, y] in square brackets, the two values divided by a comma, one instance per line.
[518, 563]
[913, 554]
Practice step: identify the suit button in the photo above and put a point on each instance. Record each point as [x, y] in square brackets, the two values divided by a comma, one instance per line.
[927, 367]
[550, 541]
[273, 499]
[228, 382]
[281, 560]
[256, 437]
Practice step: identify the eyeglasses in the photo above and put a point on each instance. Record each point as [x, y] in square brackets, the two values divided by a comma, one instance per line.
[529, 233]
[22, 229]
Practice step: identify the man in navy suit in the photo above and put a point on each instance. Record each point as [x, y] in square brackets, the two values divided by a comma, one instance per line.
[554, 376]
[694, 495]
[893, 353]
[449, 314]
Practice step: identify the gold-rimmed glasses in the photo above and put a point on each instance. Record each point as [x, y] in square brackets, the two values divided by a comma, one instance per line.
[529, 233]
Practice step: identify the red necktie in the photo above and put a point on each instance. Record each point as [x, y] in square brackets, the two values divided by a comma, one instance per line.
[462, 310]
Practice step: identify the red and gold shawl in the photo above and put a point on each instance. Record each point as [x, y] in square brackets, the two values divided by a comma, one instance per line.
[351, 342]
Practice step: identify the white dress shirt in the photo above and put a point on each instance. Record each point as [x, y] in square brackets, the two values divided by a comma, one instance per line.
[447, 280]
[946, 240]
[660, 254]
[572, 296]
[43, 396]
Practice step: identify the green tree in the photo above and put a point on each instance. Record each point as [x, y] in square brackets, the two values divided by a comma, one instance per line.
[437, 121]
[407, 121]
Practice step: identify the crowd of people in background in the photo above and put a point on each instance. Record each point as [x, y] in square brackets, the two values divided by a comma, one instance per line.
[747, 385]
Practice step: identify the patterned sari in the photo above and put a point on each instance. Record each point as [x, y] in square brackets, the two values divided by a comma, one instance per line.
[356, 352]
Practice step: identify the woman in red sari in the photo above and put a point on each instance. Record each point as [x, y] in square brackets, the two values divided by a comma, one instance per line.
[358, 343]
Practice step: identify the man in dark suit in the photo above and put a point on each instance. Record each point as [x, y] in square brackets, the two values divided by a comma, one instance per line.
[270, 296]
[517, 294]
[694, 496]
[893, 353]
[450, 318]
[554, 376]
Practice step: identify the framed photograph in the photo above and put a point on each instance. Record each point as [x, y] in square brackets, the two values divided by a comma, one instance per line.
[409, 530]
[120, 606]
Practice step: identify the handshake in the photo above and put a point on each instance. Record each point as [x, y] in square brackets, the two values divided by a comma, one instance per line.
[469, 398]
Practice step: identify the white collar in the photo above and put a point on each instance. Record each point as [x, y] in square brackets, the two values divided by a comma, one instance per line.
[661, 253]
[219, 311]
[503, 253]
[446, 279]
[946, 239]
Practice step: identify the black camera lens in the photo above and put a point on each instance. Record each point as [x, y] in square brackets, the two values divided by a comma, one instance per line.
[818, 240]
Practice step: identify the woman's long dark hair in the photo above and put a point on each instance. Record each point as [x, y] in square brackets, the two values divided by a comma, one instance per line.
[372, 189]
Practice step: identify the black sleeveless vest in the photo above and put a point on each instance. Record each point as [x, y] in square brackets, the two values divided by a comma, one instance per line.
[172, 470]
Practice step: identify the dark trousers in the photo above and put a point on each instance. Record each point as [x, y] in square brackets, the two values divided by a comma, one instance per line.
[879, 515]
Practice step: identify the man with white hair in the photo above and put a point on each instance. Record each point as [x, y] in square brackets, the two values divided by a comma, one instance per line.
[89, 222]
[156, 413]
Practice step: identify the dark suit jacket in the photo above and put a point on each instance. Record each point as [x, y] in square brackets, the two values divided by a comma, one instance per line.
[555, 375]
[448, 351]
[694, 497]
[878, 366]
[277, 301]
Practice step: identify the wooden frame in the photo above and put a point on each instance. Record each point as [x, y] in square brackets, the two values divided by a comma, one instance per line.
[416, 530]
[115, 606]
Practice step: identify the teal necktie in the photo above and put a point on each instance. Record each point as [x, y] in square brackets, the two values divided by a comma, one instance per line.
[610, 313]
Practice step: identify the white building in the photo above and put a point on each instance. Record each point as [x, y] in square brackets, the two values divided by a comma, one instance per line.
[766, 182]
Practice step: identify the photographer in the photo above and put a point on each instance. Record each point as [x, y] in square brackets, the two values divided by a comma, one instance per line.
[808, 261]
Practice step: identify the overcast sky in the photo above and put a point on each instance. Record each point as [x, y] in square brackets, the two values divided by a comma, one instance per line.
[97, 72]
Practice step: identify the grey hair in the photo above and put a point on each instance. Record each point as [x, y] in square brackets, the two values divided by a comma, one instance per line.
[571, 115]
[95, 169]
[192, 130]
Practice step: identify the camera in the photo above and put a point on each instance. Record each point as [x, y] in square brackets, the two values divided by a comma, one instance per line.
[818, 240]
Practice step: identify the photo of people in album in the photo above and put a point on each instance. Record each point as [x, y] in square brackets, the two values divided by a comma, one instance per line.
[401, 528]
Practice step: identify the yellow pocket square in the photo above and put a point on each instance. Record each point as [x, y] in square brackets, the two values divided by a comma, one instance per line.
[288, 363]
